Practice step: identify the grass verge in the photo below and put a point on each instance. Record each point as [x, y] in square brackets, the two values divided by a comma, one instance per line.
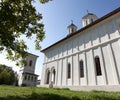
[34, 93]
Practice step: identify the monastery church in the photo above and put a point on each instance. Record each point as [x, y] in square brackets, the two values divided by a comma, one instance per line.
[86, 59]
[89, 56]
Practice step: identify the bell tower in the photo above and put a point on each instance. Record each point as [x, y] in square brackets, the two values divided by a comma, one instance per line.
[27, 76]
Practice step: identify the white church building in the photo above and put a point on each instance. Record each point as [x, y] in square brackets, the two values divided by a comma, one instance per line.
[88, 57]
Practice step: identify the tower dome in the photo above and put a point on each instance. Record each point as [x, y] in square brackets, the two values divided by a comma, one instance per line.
[71, 28]
[89, 18]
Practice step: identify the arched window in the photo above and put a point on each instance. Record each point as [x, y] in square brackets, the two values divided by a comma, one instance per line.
[54, 76]
[97, 65]
[30, 63]
[48, 76]
[69, 70]
[32, 78]
[81, 68]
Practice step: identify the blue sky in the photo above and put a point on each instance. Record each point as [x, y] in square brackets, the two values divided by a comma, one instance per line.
[57, 15]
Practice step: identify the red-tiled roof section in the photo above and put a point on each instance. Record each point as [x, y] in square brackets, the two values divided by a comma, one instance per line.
[86, 27]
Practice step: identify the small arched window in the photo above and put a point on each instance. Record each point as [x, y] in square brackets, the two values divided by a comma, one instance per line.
[97, 65]
[69, 70]
[30, 63]
[81, 68]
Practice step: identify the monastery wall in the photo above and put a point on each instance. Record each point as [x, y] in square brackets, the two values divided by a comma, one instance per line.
[102, 40]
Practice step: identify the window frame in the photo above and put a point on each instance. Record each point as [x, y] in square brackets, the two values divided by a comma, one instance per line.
[69, 71]
[98, 66]
[30, 63]
[81, 68]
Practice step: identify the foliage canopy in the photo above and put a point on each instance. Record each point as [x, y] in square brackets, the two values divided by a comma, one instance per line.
[7, 75]
[19, 18]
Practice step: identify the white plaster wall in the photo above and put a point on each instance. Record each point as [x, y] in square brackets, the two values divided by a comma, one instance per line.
[69, 81]
[75, 70]
[95, 36]
[97, 40]
[60, 51]
[65, 50]
[116, 49]
[99, 79]
[43, 75]
[111, 28]
[90, 68]
[75, 45]
[113, 64]
[117, 23]
[69, 47]
[64, 72]
[87, 39]
[27, 68]
[30, 69]
[108, 66]
[81, 42]
[59, 78]
[84, 80]
[103, 34]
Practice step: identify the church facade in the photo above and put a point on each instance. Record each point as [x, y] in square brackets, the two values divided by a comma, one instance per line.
[89, 56]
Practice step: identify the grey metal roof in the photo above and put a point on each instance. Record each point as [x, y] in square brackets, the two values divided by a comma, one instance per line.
[71, 25]
[84, 17]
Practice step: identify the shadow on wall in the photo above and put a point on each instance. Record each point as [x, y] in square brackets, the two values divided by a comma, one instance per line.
[36, 96]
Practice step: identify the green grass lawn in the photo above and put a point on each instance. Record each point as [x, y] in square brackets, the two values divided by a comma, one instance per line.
[34, 93]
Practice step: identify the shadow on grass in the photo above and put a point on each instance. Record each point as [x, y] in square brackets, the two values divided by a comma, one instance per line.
[36, 96]
[48, 96]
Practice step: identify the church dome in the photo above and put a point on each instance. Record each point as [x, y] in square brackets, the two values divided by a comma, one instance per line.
[72, 28]
[89, 18]
[88, 15]
[71, 25]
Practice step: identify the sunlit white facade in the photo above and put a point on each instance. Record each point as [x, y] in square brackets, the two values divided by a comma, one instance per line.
[86, 57]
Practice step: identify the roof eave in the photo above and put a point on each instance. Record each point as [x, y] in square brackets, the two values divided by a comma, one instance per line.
[84, 28]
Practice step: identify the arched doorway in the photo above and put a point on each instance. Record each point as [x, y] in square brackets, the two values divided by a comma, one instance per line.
[53, 75]
[48, 77]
